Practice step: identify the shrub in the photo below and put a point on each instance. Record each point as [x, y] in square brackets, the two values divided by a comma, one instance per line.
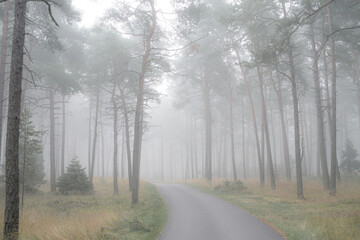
[74, 181]
[227, 186]
[31, 162]
[350, 163]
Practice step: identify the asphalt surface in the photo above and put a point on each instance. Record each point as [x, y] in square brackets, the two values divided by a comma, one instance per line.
[194, 215]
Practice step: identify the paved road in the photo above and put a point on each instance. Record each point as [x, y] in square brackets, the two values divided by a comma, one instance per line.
[194, 215]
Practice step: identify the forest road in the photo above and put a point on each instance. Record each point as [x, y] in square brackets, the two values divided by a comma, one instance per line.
[194, 215]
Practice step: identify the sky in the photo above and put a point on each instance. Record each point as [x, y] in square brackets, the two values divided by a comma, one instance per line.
[92, 10]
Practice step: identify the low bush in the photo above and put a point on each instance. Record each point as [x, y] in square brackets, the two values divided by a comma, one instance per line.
[74, 181]
[227, 186]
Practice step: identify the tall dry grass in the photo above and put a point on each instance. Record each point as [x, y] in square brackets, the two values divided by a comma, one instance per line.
[48, 216]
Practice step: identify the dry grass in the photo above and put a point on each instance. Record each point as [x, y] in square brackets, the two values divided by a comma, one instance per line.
[48, 216]
[318, 217]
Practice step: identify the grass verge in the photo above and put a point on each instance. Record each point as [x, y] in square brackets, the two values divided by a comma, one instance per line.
[101, 216]
[319, 217]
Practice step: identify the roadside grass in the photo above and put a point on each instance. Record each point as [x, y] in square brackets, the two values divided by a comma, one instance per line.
[48, 216]
[319, 217]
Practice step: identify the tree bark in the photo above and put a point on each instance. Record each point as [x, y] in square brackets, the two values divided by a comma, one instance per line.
[298, 158]
[127, 135]
[243, 139]
[230, 98]
[283, 127]
[93, 154]
[299, 184]
[3, 57]
[208, 129]
[266, 129]
[52, 142]
[11, 215]
[63, 136]
[319, 112]
[139, 111]
[123, 152]
[116, 131]
[260, 160]
[333, 108]
[89, 132]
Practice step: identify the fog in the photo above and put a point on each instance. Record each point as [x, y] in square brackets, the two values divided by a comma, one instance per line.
[265, 92]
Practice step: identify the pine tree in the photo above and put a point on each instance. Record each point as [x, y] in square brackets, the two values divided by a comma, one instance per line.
[350, 160]
[74, 181]
[30, 154]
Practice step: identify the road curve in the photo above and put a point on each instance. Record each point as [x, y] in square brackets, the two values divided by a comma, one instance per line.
[194, 215]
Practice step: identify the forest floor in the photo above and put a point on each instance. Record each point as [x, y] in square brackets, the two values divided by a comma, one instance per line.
[100, 216]
[318, 217]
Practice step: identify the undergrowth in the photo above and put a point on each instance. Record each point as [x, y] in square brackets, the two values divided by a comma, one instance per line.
[101, 216]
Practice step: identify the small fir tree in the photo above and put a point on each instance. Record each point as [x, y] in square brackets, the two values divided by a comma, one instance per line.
[350, 162]
[74, 181]
[31, 162]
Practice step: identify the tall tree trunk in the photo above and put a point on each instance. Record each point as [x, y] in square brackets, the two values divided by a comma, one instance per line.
[171, 160]
[52, 142]
[123, 152]
[266, 128]
[208, 129]
[333, 108]
[63, 136]
[319, 112]
[260, 160]
[225, 152]
[89, 132]
[230, 95]
[93, 154]
[116, 131]
[127, 136]
[283, 127]
[3, 56]
[139, 110]
[11, 215]
[294, 93]
[162, 159]
[102, 147]
[243, 139]
[195, 150]
[299, 184]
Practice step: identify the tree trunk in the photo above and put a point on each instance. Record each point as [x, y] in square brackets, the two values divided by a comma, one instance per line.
[139, 111]
[208, 130]
[127, 136]
[63, 136]
[93, 154]
[319, 112]
[333, 108]
[299, 184]
[230, 95]
[11, 215]
[260, 160]
[243, 139]
[298, 158]
[89, 132]
[225, 152]
[266, 129]
[102, 147]
[116, 131]
[3, 56]
[123, 152]
[52, 142]
[195, 151]
[162, 159]
[283, 128]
